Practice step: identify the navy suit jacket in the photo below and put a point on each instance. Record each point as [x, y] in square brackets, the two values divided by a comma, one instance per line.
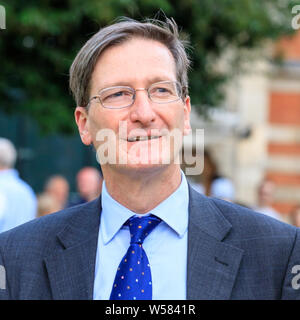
[233, 253]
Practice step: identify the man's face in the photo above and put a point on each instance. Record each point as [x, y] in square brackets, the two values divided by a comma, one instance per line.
[266, 191]
[59, 189]
[297, 218]
[137, 63]
[88, 183]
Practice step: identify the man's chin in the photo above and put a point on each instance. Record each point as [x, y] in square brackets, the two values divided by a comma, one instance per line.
[137, 170]
[135, 163]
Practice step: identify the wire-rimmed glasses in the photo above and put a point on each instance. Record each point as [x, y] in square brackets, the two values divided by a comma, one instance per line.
[119, 97]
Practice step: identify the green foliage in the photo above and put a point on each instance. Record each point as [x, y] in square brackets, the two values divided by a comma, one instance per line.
[43, 37]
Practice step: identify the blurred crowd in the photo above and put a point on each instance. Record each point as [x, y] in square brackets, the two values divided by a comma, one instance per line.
[56, 195]
[212, 183]
[19, 203]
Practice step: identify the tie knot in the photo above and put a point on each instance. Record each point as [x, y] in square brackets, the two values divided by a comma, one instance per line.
[141, 227]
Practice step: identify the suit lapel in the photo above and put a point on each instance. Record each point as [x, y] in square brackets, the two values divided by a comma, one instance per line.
[71, 268]
[212, 264]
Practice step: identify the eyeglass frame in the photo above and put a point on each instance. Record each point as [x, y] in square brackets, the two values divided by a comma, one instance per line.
[182, 94]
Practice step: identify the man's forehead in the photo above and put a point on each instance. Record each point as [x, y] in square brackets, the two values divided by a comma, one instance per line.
[130, 82]
[135, 60]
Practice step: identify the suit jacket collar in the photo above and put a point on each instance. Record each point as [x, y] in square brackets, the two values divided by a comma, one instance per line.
[212, 264]
[203, 214]
[71, 267]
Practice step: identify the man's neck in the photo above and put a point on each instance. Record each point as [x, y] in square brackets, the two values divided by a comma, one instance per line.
[141, 192]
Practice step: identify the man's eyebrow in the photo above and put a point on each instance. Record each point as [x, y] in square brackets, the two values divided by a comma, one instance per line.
[114, 84]
[128, 83]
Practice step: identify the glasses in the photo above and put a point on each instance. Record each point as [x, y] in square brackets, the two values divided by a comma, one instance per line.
[119, 97]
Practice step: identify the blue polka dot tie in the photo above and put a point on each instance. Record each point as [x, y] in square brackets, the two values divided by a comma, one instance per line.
[133, 279]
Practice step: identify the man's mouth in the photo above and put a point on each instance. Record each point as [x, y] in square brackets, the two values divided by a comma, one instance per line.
[142, 138]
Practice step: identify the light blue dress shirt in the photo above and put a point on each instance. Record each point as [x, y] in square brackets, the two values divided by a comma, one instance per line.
[166, 245]
[17, 200]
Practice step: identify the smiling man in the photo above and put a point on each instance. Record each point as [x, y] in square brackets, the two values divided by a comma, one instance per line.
[134, 83]
[149, 235]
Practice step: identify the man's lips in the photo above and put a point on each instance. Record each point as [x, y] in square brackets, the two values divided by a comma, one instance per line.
[142, 138]
[135, 135]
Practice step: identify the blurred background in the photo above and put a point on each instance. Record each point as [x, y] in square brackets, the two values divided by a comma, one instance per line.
[244, 88]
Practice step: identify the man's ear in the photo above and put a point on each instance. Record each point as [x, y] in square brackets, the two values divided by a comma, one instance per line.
[187, 112]
[81, 118]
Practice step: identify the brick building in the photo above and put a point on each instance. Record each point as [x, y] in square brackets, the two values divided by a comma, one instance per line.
[265, 101]
[283, 146]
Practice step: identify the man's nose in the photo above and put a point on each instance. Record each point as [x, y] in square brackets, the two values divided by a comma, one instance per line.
[142, 108]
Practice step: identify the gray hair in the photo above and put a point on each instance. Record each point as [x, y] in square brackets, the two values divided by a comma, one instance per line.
[164, 32]
[8, 154]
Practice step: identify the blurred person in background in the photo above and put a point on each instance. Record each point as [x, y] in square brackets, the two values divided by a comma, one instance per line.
[215, 184]
[89, 185]
[295, 216]
[47, 204]
[265, 193]
[222, 188]
[17, 199]
[57, 187]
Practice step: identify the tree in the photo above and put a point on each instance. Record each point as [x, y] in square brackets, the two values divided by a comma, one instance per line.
[42, 38]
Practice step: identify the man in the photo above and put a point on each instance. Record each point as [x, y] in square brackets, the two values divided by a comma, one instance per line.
[295, 216]
[133, 75]
[57, 187]
[89, 185]
[17, 199]
[265, 194]
[222, 188]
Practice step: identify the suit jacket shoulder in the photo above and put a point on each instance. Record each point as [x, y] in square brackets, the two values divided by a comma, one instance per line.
[245, 254]
[31, 248]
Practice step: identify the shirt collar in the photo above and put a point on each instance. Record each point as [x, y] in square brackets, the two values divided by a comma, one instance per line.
[173, 211]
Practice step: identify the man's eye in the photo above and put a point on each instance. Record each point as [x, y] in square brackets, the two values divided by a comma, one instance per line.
[117, 95]
[161, 90]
